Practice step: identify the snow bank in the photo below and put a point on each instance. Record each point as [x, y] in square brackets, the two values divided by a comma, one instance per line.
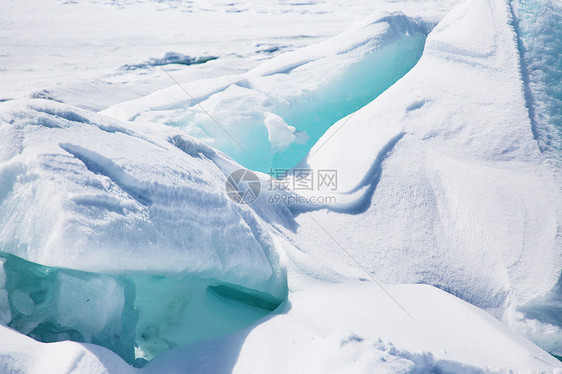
[21, 354]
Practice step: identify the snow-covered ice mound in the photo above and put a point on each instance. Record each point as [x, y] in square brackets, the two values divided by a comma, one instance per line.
[115, 200]
[89, 196]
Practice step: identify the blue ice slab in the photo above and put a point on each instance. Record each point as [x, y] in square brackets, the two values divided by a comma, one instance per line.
[136, 316]
[356, 87]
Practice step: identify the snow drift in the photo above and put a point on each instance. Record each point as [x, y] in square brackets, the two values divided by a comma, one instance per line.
[452, 188]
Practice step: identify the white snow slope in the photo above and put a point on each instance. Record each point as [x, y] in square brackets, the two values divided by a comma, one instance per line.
[440, 182]
[450, 178]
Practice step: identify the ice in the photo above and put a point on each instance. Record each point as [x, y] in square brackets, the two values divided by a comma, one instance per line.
[281, 135]
[22, 303]
[179, 312]
[138, 317]
[5, 314]
[76, 293]
[2, 274]
[307, 90]
[170, 58]
[53, 305]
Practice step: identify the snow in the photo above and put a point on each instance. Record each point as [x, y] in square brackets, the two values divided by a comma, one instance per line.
[122, 247]
[21, 354]
[360, 330]
[74, 50]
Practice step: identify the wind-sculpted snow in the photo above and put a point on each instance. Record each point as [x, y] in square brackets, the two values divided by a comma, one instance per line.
[272, 115]
[464, 200]
[86, 196]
